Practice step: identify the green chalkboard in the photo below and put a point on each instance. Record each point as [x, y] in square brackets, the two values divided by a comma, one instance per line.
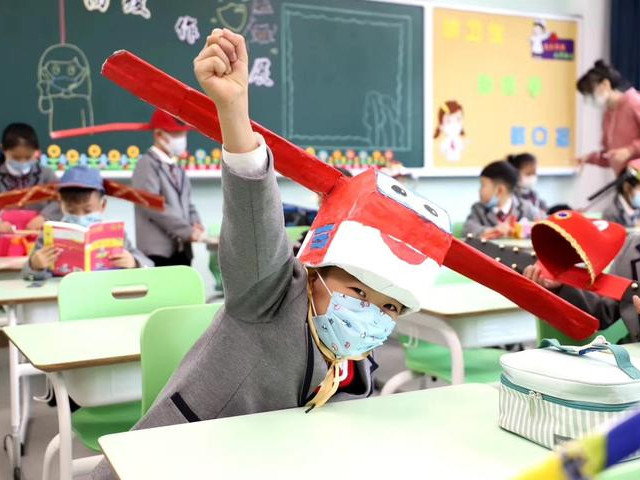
[327, 74]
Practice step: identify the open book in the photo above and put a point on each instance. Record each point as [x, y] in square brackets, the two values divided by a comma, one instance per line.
[84, 248]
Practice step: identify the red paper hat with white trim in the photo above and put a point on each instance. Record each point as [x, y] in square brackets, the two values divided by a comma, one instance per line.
[366, 225]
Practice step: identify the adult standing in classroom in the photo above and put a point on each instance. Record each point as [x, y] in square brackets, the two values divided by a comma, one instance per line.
[165, 237]
[606, 88]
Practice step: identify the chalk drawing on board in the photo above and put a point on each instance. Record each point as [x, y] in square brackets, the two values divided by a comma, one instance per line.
[64, 86]
[136, 7]
[263, 33]
[385, 113]
[450, 130]
[382, 120]
[99, 5]
[186, 28]
[233, 16]
[260, 74]
[262, 7]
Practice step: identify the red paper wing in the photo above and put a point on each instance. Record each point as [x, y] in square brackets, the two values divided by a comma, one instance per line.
[28, 196]
[139, 197]
[196, 109]
[483, 269]
[95, 129]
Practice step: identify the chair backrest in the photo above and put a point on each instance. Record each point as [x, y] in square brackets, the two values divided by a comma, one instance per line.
[86, 295]
[294, 233]
[167, 336]
[614, 333]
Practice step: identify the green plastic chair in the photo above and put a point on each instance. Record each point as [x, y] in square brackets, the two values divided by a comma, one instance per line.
[167, 336]
[87, 295]
[481, 365]
[214, 261]
[294, 233]
[614, 333]
[457, 229]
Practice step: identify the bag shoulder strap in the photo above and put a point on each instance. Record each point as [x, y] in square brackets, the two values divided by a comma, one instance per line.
[599, 344]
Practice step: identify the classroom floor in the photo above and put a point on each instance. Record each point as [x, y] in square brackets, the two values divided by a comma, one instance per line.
[44, 423]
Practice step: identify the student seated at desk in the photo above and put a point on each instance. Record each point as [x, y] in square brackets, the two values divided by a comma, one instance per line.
[606, 310]
[287, 336]
[83, 202]
[20, 168]
[625, 206]
[498, 207]
[527, 166]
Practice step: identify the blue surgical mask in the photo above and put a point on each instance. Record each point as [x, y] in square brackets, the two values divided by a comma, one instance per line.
[493, 202]
[635, 200]
[82, 220]
[19, 169]
[352, 327]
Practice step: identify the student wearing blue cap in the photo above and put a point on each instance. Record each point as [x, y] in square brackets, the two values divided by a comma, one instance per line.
[83, 202]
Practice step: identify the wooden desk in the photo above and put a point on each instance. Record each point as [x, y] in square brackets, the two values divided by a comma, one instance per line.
[63, 346]
[15, 293]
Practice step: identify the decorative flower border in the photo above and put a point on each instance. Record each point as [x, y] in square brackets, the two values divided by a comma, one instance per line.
[115, 160]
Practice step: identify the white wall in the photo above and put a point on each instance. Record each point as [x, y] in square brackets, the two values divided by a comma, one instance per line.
[457, 194]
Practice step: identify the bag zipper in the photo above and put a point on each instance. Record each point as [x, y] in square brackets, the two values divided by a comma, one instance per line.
[595, 407]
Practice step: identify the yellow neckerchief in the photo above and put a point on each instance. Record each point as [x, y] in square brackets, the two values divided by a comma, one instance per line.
[331, 382]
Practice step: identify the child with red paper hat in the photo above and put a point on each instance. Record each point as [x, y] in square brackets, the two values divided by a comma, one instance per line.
[19, 169]
[166, 236]
[566, 238]
[300, 332]
[82, 199]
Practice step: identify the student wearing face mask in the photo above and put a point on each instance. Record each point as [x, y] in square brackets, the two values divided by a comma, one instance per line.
[527, 165]
[19, 168]
[603, 86]
[83, 202]
[491, 217]
[625, 207]
[166, 237]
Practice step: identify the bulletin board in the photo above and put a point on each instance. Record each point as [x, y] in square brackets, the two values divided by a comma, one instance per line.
[502, 83]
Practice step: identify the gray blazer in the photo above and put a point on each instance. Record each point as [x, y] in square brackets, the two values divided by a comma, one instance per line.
[482, 218]
[164, 233]
[29, 273]
[607, 310]
[615, 212]
[37, 176]
[257, 355]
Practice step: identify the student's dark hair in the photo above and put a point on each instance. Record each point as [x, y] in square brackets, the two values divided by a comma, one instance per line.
[520, 160]
[16, 134]
[75, 195]
[626, 178]
[558, 208]
[601, 71]
[502, 172]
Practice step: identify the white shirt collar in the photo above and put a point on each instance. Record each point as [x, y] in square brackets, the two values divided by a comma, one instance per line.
[628, 209]
[163, 156]
[506, 208]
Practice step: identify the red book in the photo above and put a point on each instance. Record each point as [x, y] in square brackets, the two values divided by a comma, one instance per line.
[84, 249]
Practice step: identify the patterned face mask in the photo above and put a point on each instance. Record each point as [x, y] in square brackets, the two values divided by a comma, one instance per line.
[352, 327]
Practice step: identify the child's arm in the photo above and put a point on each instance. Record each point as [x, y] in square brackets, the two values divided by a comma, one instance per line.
[255, 256]
[130, 257]
[40, 260]
[474, 224]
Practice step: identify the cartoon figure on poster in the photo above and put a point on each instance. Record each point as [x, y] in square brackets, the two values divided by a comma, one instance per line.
[64, 85]
[547, 45]
[538, 37]
[450, 130]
